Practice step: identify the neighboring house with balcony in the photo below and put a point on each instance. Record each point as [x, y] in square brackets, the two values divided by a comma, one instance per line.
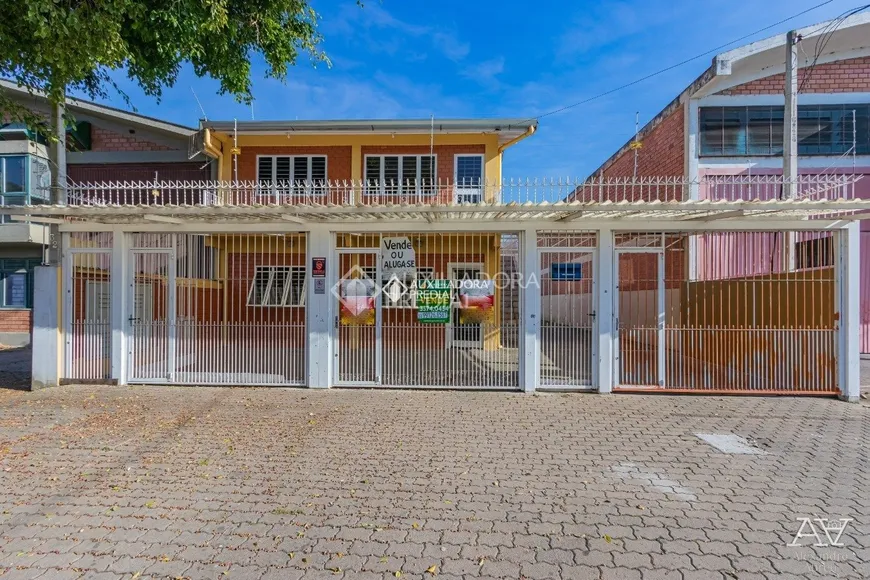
[728, 124]
[103, 145]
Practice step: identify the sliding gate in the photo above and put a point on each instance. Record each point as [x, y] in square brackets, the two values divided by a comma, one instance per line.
[219, 309]
[730, 312]
[436, 310]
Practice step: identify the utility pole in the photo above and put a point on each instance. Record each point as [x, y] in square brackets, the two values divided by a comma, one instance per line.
[789, 140]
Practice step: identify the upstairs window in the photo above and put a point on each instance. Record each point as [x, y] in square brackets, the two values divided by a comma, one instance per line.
[277, 286]
[400, 174]
[758, 131]
[13, 182]
[469, 178]
[284, 175]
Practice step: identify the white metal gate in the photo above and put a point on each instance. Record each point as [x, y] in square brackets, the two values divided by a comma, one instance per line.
[88, 322]
[729, 312]
[640, 317]
[381, 338]
[567, 265]
[218, 309]
[358, 359]
[151, 298]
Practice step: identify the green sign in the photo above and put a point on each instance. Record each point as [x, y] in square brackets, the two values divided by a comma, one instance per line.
[433, 302]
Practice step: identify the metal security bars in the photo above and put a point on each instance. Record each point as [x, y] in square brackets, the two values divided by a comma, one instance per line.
[746, 312]
[88, 328]
[466, 335]
[217, 309]
[568, 309]
[412, 189]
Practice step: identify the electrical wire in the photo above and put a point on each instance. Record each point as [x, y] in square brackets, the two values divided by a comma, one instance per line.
[824, 39]
[673, 66]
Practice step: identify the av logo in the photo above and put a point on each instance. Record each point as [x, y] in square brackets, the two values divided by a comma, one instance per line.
[818, 527]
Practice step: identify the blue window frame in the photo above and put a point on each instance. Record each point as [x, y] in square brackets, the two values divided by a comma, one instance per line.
[16, 283]
[14, 181]
[758, 131]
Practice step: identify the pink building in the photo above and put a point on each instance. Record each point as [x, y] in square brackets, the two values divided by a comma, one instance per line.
[729, 122]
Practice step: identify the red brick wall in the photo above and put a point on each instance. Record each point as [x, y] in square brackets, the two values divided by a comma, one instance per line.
[105, 140]
[662, 152]
[844, 76]
[92, 172]
[15, 320]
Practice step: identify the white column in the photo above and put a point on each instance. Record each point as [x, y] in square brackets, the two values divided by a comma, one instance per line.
[848, 266]
[530, 351]
[692, 174]
[320, 309]
[119, 309]
[46, 341]
[606, 329]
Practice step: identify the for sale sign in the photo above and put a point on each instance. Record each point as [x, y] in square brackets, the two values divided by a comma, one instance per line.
[433, 302]
[398, 259]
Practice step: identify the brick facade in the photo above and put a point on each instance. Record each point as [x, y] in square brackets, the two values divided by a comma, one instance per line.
[843, 76]
[15, 320]
[662, 152]
[105, 140]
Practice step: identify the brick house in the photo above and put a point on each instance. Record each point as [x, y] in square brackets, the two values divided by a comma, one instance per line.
[103, 145]
[729, 122]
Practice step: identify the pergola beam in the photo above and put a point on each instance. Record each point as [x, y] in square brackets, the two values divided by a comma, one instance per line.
[163, 219]
[718, 216]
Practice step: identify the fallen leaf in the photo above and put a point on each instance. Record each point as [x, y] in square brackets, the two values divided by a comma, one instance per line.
[433, 569]
[398, 574]
[415, 525]
[607, 538]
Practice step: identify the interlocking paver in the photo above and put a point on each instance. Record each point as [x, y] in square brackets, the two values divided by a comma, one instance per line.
[260, 483]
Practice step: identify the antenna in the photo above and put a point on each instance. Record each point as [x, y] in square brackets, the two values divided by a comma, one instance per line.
[636, 131]
[204, 116]
[252, 110]
[432, 137]
[235, 149]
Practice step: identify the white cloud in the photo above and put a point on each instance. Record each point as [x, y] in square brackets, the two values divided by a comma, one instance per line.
[382, 32]
[485, 72]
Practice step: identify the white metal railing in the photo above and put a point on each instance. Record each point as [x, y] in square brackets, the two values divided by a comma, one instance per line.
[536, 191]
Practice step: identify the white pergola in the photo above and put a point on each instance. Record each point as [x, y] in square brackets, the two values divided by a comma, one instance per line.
[320, 222]
[770, 214]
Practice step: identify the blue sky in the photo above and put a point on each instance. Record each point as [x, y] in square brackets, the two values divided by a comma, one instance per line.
[479, 58]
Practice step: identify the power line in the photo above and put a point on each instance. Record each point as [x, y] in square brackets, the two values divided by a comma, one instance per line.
[679, 64]
[822, 43]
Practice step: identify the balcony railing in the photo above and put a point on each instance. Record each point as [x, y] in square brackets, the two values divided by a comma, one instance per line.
[446, 193]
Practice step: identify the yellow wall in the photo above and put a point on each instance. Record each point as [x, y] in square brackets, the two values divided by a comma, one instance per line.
[223, 142]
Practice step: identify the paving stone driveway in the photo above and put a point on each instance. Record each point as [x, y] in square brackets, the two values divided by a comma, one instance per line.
[107, 482]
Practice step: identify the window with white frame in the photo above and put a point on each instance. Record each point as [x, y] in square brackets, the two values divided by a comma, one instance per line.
[291, 174]
[277, 286]
[469, 178]
[400, 174]
[399, 292]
